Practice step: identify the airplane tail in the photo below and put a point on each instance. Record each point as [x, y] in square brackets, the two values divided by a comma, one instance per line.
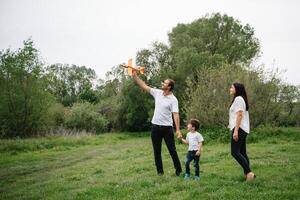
[142, 70]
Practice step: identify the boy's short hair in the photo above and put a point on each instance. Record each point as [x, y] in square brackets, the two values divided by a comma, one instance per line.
[195, 123]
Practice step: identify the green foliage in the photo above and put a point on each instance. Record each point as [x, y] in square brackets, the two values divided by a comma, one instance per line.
[109, 108]
[216, 35]
[56, 115]
[134, 108]
[203, 57]
[208, 98]
[88, 95]
[69, 83]
[290, 100]
[83, 116]
[108, 93]
[24, 100]
[156, 58]
[210, 42]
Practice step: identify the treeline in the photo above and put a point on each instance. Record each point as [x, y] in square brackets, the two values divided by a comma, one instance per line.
[204, 58]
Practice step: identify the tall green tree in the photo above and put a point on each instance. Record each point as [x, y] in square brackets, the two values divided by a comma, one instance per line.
[109, 93]
[70, 83]
[271, 102]
[215, 35]
[210, 42]
[24, 100]
[134, 110]
[290, 98]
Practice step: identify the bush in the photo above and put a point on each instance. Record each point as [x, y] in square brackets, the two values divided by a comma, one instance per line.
[56, 115]
[82, 116]
[266, 133]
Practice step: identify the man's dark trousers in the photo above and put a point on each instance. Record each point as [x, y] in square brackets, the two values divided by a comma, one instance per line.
[166, 133]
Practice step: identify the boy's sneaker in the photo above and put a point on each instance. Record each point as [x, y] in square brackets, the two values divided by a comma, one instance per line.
[187, 177]
[197, 178]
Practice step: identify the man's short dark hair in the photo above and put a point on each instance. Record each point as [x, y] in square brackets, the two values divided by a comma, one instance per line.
[195, 123]
[171, 84]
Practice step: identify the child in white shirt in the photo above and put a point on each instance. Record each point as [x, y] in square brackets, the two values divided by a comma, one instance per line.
[194, 139]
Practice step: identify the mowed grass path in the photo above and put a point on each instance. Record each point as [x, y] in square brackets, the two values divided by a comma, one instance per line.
[121, 166]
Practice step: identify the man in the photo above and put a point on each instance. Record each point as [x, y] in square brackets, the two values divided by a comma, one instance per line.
[166, 105]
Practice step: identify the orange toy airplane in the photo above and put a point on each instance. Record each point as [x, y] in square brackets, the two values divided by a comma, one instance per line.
[131, 69]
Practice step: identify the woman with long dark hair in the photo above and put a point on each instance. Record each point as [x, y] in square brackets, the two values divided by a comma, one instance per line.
[239, 125]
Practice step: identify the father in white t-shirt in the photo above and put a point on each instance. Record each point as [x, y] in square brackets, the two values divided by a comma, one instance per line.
[166, 106]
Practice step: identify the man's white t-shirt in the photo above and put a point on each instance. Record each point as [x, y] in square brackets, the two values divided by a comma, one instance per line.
[164, 107]
[239, 105]
[194, 139]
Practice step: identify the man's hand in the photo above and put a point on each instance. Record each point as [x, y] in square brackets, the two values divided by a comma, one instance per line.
[198, 153]
[177, 124]
[133, 73]
[179, 134]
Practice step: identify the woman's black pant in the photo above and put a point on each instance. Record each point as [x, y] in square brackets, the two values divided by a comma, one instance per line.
[238, 150]
[166, 133]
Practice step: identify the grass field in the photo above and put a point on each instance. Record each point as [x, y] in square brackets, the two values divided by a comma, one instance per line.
[121, 166]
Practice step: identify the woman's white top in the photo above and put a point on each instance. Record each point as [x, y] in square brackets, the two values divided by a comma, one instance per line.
[239, 105]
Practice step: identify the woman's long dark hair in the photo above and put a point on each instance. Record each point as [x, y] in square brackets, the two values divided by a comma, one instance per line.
[240, 91]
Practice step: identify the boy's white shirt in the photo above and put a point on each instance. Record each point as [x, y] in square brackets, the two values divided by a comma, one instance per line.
[194, 139]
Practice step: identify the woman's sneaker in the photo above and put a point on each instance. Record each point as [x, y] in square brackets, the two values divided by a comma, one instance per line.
[197, 178]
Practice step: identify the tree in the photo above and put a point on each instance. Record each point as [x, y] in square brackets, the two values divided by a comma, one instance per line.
[68, 82]
[271, 102]
[210, 42]
[216, 35]
[134, 108]
[23, 99]
[290, 98]
[156, 59]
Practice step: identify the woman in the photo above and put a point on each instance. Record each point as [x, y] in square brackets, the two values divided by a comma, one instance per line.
[240, 127]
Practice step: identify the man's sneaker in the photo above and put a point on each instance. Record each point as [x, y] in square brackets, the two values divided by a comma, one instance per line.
[197, 178]
[187, 177]
[160, 174]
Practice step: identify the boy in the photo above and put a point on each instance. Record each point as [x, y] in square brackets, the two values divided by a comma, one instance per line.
[194, 139]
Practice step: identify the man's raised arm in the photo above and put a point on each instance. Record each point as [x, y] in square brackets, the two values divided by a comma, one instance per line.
[141, 83]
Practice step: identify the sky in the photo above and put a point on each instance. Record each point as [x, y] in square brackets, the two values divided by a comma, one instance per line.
[104, 33]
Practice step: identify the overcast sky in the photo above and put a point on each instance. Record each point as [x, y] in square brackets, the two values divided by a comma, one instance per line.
[101, 34]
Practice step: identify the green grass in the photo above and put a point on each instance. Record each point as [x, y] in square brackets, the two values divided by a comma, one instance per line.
[121, 166]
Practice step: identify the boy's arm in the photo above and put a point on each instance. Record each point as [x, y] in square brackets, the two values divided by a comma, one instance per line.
[141, 83]
[184, 141]
[199, 149]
